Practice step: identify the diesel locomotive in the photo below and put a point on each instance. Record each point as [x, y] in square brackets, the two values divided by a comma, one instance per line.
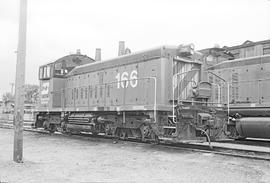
[248, 85]
[155, 94]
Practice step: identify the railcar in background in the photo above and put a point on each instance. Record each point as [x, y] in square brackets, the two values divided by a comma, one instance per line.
[247, 80]
[149, 95]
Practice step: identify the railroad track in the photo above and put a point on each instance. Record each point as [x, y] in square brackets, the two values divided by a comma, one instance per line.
[8, 123]
[251, 142]
[235, 152]
[233, 148]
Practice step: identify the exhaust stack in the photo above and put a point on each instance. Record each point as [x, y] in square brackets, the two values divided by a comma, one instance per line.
[121, 50]
[98, 54]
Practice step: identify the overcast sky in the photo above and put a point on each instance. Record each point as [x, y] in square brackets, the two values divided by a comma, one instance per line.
[58, 27]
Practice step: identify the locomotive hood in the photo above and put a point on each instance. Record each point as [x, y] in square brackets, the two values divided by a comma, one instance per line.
[240, 62]
[136, 57]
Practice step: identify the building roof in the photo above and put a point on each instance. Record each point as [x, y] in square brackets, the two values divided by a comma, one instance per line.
[247, 43]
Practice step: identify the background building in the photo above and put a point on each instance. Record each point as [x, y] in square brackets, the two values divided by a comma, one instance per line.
[247, 49]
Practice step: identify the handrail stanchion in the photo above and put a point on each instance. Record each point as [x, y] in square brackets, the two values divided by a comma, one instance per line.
[219, 92]
[104, 95]
[124, 102]
[155, 95]
[228, 100]
[88, 96]
[173, 83]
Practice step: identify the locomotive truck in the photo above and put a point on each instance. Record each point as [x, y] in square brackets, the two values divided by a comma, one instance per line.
[149, 95]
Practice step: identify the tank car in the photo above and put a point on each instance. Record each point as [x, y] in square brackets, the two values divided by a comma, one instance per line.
[149, 95]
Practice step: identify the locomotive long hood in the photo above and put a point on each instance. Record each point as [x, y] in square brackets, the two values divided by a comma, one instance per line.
[241, 62]
[136, 57]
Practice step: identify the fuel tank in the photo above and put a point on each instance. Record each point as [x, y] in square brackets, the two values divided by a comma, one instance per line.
[254, 127]
[84, 128]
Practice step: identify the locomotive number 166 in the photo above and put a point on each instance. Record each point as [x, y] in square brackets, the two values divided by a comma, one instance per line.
[127, 79]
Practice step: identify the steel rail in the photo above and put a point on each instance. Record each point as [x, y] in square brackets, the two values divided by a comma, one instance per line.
[225, 151]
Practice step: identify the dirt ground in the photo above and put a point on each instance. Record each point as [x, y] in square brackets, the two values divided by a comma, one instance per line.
[54, 158]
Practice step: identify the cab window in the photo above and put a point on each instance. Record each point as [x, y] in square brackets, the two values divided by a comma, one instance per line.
[45, 72]
[48, 72]
[60, 69]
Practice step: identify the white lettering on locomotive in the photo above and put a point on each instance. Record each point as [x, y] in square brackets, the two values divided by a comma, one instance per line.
[44, 90]
[125, 79]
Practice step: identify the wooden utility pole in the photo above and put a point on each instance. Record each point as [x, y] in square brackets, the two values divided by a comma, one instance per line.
[19, 85]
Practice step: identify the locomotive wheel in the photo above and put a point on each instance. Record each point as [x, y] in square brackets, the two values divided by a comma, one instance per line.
[135, 133]
[62, 127]
[232, 132]
[52, 128]
[74, 133]
[147, 133]
[156, 139]
[95, 133]
[109, 129]
[123, 134]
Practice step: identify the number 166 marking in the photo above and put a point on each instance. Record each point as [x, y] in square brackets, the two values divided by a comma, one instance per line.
[125, 79]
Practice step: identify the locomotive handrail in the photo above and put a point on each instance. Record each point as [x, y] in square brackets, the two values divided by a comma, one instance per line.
[198, 102]
[228, 91]
[173, 84]
[219, 91]
[255, 81]
[114, 82]
[175, 79]
[247, 81]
